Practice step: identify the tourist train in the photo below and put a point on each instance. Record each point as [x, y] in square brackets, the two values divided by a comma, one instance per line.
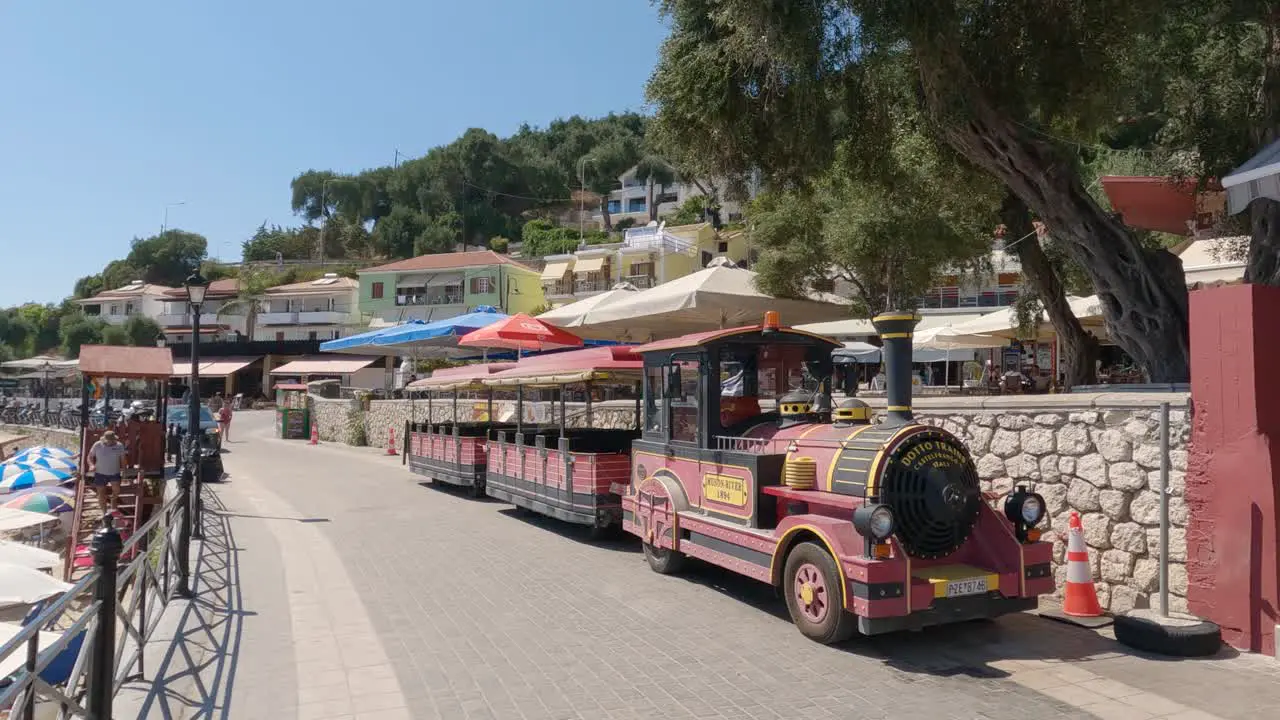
[863, 527]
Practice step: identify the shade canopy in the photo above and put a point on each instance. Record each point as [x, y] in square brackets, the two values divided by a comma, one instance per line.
[11, 519]
[598, 363]
[17, 476]
[12, 553]
[321, 365]
[556, 270]
[575, 313]
[719, 296]
[459, 377]
[217, 367]
[119, 361]
[439, 337]
[24, 586]
[1004, 322]
[363, 343]
[521, 332]
[948, 338]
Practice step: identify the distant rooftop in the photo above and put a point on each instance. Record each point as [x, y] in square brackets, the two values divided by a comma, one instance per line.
[445, 261]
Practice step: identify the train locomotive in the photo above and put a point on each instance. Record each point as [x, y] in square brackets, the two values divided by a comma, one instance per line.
[862, 527]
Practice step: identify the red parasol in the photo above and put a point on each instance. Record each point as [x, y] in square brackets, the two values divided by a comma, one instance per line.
[520, 332]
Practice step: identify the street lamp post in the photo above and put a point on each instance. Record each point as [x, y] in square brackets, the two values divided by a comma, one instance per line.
[195, 287]
[164, 227]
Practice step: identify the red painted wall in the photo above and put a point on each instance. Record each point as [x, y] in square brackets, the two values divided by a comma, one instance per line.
[1231, 484]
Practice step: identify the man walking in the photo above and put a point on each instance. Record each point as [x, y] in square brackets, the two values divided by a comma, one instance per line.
[106, 460]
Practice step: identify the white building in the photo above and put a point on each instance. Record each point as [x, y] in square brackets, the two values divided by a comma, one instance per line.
[323, 309]
[118, 305]
[630, 200]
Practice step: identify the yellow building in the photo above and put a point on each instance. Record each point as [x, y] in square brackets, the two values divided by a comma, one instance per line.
[647, 256]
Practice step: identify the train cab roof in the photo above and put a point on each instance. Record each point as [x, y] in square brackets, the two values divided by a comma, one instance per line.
[597, 363]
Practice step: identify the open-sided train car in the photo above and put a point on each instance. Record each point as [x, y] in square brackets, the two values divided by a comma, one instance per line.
[573, 471]
[862, 527]
[453, 451]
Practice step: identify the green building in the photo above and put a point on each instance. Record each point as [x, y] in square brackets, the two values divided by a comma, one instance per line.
[435, 287]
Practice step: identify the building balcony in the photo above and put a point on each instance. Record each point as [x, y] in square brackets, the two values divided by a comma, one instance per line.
[324, 317]
[177, 319]
[590, 287]
[278, 318]
[562, 289]
[641, 282]
[410, 300]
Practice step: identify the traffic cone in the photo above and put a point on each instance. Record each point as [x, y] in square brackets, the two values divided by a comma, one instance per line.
[391, 442]
[1080, 597]
[315, 435]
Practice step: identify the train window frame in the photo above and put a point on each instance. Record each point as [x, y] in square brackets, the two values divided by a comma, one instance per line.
[655, 412]
[692, 365]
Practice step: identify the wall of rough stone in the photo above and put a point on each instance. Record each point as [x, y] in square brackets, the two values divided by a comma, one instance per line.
[16, 437]
[333, 418]
[1098, 454]
[1104, 464]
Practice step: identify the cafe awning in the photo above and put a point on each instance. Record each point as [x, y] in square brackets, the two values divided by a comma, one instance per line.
[120, 361]
[556, 270]
[445, 280]
[217, 367]
[344, 365]
[591, 264]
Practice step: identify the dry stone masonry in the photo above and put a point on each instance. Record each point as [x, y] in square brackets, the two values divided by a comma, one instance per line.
[1104, 464]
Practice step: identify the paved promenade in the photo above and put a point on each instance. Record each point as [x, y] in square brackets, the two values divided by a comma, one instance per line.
[333, 585]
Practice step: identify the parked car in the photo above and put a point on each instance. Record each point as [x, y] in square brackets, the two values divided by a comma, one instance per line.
[208, 425]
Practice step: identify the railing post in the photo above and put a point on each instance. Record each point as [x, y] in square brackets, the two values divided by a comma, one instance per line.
[197, 500]
[105, 547]
[183, 587]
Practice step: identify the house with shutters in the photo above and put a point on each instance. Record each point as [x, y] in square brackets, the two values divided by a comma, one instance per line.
[445, 285]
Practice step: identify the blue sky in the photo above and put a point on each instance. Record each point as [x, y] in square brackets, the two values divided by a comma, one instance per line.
[111, 111]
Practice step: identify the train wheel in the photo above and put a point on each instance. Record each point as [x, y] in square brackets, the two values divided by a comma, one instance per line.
[811, 583]
[663, 561]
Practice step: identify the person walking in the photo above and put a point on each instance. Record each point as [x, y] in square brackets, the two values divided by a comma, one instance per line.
[215, 403]
[224, 422]
[106, 461]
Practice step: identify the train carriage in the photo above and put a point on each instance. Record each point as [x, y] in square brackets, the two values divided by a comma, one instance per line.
[863, 527]
[575, 472]
[454, 451]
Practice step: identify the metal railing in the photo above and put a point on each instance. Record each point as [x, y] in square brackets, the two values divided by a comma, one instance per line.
[103, 622]
[753, 446]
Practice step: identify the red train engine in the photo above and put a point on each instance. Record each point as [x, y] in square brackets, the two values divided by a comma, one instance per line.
[864, 527]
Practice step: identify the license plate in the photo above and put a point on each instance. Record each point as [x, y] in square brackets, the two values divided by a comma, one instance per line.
[972, 586]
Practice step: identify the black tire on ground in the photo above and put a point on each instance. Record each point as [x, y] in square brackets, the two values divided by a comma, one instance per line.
[663, 561]
[838, 625]
[1196, 640]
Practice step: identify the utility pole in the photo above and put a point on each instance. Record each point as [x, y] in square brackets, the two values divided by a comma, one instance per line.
[164, 227]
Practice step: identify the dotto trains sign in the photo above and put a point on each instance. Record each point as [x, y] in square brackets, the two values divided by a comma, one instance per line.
[724, 489]
[932, 453]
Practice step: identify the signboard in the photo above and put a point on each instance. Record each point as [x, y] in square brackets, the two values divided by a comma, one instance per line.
[724, 489]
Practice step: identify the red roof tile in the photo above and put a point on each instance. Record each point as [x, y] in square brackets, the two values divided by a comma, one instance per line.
[445, 261]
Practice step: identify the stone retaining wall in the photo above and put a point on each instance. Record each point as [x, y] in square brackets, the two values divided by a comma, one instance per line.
[1098, 454]
[15, 437]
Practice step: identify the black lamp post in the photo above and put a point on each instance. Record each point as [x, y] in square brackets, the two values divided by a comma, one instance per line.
[196, 287]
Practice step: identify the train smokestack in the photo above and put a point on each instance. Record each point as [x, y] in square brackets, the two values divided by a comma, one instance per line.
[895, 329]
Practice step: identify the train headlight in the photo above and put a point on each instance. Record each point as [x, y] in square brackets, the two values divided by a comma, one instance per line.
[874, 521]
[1024, 508]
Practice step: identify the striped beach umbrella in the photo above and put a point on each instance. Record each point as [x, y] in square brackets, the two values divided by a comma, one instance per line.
[20, 477]
[46, 451]
[43, 461]
[47, 500]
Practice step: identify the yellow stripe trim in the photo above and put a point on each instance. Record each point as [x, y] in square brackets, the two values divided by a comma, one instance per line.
[880, 318]
[844, 585]
[831, 471]
[892, 336]
[875, 466]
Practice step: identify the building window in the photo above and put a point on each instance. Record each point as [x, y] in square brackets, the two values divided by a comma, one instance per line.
[311, 335]
[279, 336]
[635, 205]
[376, 291]
[115, 310]
[128, 308]
[481, 285]
[722, 246]
[615, 206]
[666, 197]
[641, 269]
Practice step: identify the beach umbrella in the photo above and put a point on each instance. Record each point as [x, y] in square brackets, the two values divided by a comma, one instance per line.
[521, 332]
[24, 586]
[21, 477]
[43, 461]
[47, 500]
[362, 343]
[439, 337]
[46, 451]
